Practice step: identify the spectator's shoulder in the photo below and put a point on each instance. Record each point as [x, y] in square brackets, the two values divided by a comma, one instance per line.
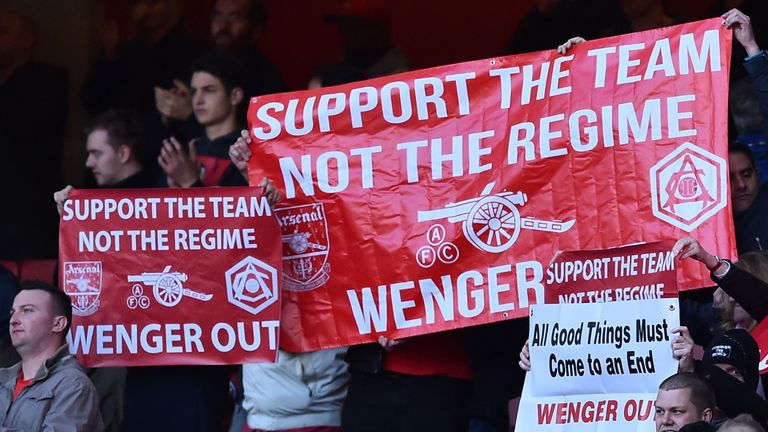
[757, 65]
[70, 378]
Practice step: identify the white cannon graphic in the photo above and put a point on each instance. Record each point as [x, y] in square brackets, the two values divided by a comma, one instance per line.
[491, 222]
[168, 288]
[299, 242]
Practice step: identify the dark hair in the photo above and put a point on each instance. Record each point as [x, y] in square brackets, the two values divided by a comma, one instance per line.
[121, 129]
[702, 395]
[60, 302]
[224, 66]
[738, 147]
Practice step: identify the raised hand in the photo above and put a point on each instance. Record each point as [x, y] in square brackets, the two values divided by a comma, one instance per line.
[181, 168]
[742, 30]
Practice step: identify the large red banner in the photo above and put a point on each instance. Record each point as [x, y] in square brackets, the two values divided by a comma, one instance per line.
[171, 276]
[435, 199]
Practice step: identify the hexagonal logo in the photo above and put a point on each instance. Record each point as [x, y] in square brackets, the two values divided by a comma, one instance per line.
[688, 186]
[252, 285]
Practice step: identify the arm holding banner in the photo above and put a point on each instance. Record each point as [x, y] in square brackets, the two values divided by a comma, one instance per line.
[757, 68]
[388, 344]
[59, 197]
[741, 25]
[562, 49]
[525, 358]
[689, 247]
[748, 290]
[269, 190]
[757, 62]
[682, 349]
[239, 153]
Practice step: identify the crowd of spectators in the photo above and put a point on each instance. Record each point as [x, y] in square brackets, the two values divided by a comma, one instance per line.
[168, 111]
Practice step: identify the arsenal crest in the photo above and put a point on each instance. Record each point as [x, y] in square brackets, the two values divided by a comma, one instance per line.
[82, 283]
[305, 246]
[688, 186]
[252, 285]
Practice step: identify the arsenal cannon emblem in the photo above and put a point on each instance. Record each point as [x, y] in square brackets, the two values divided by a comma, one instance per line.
[168, 287]
[492, 222]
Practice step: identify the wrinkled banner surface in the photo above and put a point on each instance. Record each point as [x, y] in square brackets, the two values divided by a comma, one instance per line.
[171, 276]
[435, 199]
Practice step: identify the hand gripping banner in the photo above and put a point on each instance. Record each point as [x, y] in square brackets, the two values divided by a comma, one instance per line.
[171, 276]
[435, 199]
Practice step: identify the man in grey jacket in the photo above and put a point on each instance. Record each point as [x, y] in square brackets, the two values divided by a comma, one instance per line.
[48, 389]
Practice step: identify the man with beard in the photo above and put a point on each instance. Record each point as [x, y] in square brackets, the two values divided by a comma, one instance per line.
[236, 26]
[366, 38]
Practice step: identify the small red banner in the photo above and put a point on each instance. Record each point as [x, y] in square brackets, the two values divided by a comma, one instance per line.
[171, 276]
[638, 272]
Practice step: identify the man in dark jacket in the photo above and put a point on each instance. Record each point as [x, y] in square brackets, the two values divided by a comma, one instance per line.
[114, 152]
[114, 146]
[217, 93]
[749, 201]
[734, 352]
[114, 158]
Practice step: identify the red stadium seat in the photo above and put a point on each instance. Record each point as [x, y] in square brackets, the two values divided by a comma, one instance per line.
[11, 266]
[43, 270]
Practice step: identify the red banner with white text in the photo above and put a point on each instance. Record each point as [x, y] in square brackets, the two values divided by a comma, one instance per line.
[171, 276]
[646, 271]
[435, 199]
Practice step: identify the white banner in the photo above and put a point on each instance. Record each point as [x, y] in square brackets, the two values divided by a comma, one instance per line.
[597, 366]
